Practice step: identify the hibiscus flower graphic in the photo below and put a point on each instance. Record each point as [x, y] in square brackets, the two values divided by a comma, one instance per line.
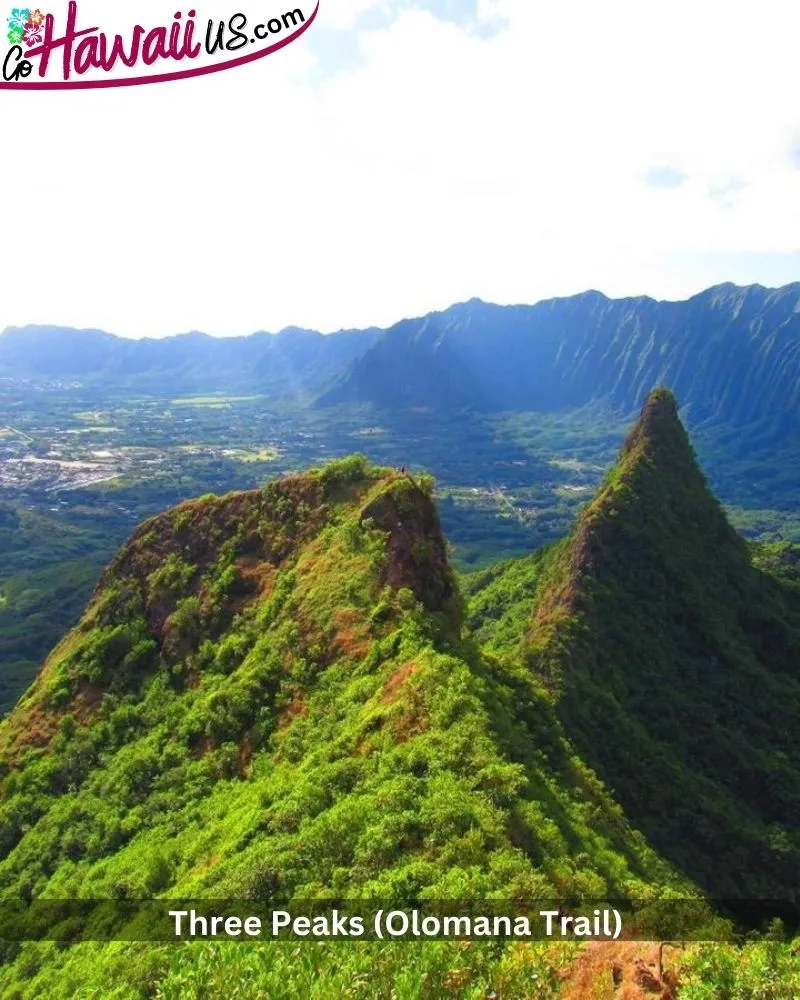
[15, 36]
[33, 34]
[19, 18]
[36, 17]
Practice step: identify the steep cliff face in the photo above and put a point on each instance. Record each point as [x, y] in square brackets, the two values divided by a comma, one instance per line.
[417, 557]
[731, 354]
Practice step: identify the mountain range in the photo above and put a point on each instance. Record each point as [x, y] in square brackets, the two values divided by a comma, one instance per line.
[731, 354]
[288, 694]
[291, 362]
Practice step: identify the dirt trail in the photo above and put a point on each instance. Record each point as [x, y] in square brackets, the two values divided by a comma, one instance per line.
[621, 970]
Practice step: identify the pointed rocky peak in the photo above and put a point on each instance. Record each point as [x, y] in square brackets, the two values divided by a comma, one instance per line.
[672, 660]
[653, 522]
[657, 478]
[658, 427]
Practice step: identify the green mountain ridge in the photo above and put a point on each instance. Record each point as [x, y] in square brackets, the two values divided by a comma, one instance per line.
[675, 664]
[730, 353]
[285, 694]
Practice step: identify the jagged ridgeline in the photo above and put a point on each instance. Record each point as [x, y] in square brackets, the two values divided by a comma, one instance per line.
[674, 662]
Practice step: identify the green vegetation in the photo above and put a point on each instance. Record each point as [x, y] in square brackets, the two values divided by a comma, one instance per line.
[673, 661]
[284, 694]
[48, 568]
[769, 970]
[500, 599]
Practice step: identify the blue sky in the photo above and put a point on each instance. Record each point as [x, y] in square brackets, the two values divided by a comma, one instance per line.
[406, 154]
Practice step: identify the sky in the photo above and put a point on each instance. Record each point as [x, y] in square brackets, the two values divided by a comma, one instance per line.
[407, 154]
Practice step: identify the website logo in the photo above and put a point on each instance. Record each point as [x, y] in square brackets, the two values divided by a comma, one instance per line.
[45, 50]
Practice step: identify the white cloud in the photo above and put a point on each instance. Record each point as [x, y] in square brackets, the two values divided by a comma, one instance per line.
[445, 166]
[344, 13]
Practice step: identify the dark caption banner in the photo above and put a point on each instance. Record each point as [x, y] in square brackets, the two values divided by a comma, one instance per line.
[72, 921]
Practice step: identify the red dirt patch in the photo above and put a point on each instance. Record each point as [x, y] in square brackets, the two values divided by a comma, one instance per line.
[85, 704]
[349, 637]
[394, 684]
[410, 723]
[626, 970]
[33, 727]
[258, 573]
[297, 708]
